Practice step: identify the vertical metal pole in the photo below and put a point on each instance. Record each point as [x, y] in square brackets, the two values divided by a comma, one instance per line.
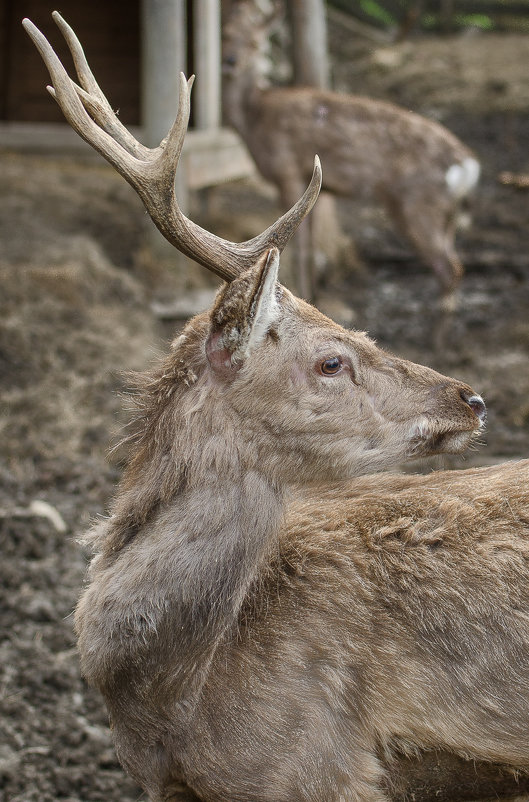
[207, 63]
[309, 43]
[163, 26]
[163, 58]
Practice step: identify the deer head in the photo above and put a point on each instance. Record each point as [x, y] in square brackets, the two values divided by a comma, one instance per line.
[245, 35]
[311, 400]
[317, 402]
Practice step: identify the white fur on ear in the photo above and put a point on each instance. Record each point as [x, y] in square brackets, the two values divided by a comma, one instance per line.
[243, 314]
[265, 308]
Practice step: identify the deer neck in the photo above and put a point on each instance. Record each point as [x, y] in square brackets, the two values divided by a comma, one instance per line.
[241, 98]
[176, 588]
[217, 537]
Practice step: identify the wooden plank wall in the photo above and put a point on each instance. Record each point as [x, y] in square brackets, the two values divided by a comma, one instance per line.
[3, 57]
[110, 34]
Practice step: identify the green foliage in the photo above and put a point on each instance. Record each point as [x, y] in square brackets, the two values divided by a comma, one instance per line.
[476, 20]
[481, 21]
[377, 12]
[486, 15]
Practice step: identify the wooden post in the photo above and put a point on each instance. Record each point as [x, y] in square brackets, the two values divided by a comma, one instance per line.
[207, 64]
[311, 68]
[309, 43]
[163, 26]
[163, 58]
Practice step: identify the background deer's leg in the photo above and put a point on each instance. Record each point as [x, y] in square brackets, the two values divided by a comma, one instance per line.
[438, 251]
[427, 219]
[303, 256]
[428, 222]
[304, 261]
[334, 250]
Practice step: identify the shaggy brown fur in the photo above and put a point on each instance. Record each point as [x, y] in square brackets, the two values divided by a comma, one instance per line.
[260, 632]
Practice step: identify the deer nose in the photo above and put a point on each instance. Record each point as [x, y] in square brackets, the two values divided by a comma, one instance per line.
[476, 404]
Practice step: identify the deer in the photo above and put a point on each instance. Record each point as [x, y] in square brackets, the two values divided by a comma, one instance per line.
[271, 613]
[413, 167]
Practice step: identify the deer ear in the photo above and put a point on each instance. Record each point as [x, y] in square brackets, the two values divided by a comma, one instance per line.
[243, 313]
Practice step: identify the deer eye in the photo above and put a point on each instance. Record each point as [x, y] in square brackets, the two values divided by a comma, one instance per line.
[331, 366]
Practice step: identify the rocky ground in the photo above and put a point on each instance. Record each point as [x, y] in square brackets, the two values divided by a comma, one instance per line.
[77, 287]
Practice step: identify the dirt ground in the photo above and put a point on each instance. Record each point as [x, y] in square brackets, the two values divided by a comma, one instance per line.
[76, 311]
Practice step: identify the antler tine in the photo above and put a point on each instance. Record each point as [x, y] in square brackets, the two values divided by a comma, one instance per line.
[68, 96]
[151, 172]
[280, 232]
[93, 98]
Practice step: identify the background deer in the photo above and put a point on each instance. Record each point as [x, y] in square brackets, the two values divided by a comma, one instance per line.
[262, 624]
[415, 168]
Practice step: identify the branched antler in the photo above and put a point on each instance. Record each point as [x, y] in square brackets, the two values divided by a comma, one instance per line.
[151, 171]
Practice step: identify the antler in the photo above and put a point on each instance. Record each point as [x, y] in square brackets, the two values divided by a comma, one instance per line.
[151, 171]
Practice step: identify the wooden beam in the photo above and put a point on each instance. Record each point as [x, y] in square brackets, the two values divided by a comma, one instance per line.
[309, 43]
[163, 27]
[164, 46]
[207, 91]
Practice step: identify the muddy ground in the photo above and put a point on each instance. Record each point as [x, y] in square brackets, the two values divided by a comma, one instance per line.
[77, 286]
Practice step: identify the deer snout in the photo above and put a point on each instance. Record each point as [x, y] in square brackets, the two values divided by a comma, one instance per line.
[476, 404]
